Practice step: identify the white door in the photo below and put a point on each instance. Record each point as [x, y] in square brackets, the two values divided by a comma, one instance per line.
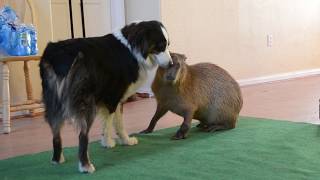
[97, 16]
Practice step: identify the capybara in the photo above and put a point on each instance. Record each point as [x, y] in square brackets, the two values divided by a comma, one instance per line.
[203, 91]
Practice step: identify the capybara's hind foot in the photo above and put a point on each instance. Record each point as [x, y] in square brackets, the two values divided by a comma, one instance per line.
[213, 128]
[202, 126]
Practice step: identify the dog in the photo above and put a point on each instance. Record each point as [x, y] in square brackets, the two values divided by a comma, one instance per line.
[86, 77]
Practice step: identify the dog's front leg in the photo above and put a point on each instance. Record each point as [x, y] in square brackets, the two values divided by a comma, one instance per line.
[107, 119]
[121, 132]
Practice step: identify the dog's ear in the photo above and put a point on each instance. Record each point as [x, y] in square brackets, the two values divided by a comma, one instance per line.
[140, 41]
[145, 48]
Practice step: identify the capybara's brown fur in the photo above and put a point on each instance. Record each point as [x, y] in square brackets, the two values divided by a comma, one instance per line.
[203, 91]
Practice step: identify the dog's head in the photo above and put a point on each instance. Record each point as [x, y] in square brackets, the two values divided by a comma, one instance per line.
[149, 42]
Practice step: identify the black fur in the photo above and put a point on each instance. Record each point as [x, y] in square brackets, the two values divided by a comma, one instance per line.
[80, 74]
[105, 62]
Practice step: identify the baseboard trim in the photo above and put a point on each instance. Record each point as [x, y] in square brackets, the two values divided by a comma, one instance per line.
[278, 77]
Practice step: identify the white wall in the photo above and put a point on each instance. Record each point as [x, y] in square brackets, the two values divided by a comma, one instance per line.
[118, 16]
[142, 10]
[233, 34]
[97, 17]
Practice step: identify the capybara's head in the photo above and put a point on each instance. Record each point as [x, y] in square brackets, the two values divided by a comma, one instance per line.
[172, 73]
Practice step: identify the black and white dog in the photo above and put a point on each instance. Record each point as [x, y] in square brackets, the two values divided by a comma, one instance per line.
[84, 77]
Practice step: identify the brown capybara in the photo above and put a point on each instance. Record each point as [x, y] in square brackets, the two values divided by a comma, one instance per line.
[203, 91]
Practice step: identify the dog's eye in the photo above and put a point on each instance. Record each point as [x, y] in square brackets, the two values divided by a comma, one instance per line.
[160, 47]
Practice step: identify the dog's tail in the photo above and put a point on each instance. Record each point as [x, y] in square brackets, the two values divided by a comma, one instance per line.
[65, 94]
[52, 87]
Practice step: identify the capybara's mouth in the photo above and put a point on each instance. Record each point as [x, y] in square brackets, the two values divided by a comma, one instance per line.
[170, 78]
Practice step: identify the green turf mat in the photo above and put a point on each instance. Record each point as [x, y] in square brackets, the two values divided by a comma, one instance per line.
[256, 149]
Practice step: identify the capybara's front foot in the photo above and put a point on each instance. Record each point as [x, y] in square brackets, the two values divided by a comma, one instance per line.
[179, 135]
[146, 131]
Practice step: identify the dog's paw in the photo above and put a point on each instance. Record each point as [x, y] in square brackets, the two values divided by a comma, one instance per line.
[88, 168]
[61, 160]
[107, 142]
[130, 141]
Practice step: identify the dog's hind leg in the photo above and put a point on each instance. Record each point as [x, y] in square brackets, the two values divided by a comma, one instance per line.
[121, 132]
[107, 119]
[57, 157]
[85, 166]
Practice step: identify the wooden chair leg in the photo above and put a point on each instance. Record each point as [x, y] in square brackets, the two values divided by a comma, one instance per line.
[28, 83]
[5, 99]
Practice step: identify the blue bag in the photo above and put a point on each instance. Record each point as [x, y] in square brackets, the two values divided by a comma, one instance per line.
[9, 15]
[16, 39]
[20, 41]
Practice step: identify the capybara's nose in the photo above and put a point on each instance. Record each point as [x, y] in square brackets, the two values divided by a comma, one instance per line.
[170, 78]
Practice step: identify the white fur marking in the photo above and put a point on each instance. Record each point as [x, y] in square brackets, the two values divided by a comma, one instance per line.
[118, 34]
[163, 58]
[62, 160]
[146, 63]
[60, 85]
[86, 169]
[165, 34]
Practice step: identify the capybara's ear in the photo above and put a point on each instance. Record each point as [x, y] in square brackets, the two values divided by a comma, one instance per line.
[184, 57]
[181, 56]
[172, 53]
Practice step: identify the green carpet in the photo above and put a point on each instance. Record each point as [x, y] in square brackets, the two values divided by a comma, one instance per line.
[256, 149]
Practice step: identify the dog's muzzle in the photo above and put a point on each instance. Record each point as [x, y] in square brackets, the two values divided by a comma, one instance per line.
[163, 59]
